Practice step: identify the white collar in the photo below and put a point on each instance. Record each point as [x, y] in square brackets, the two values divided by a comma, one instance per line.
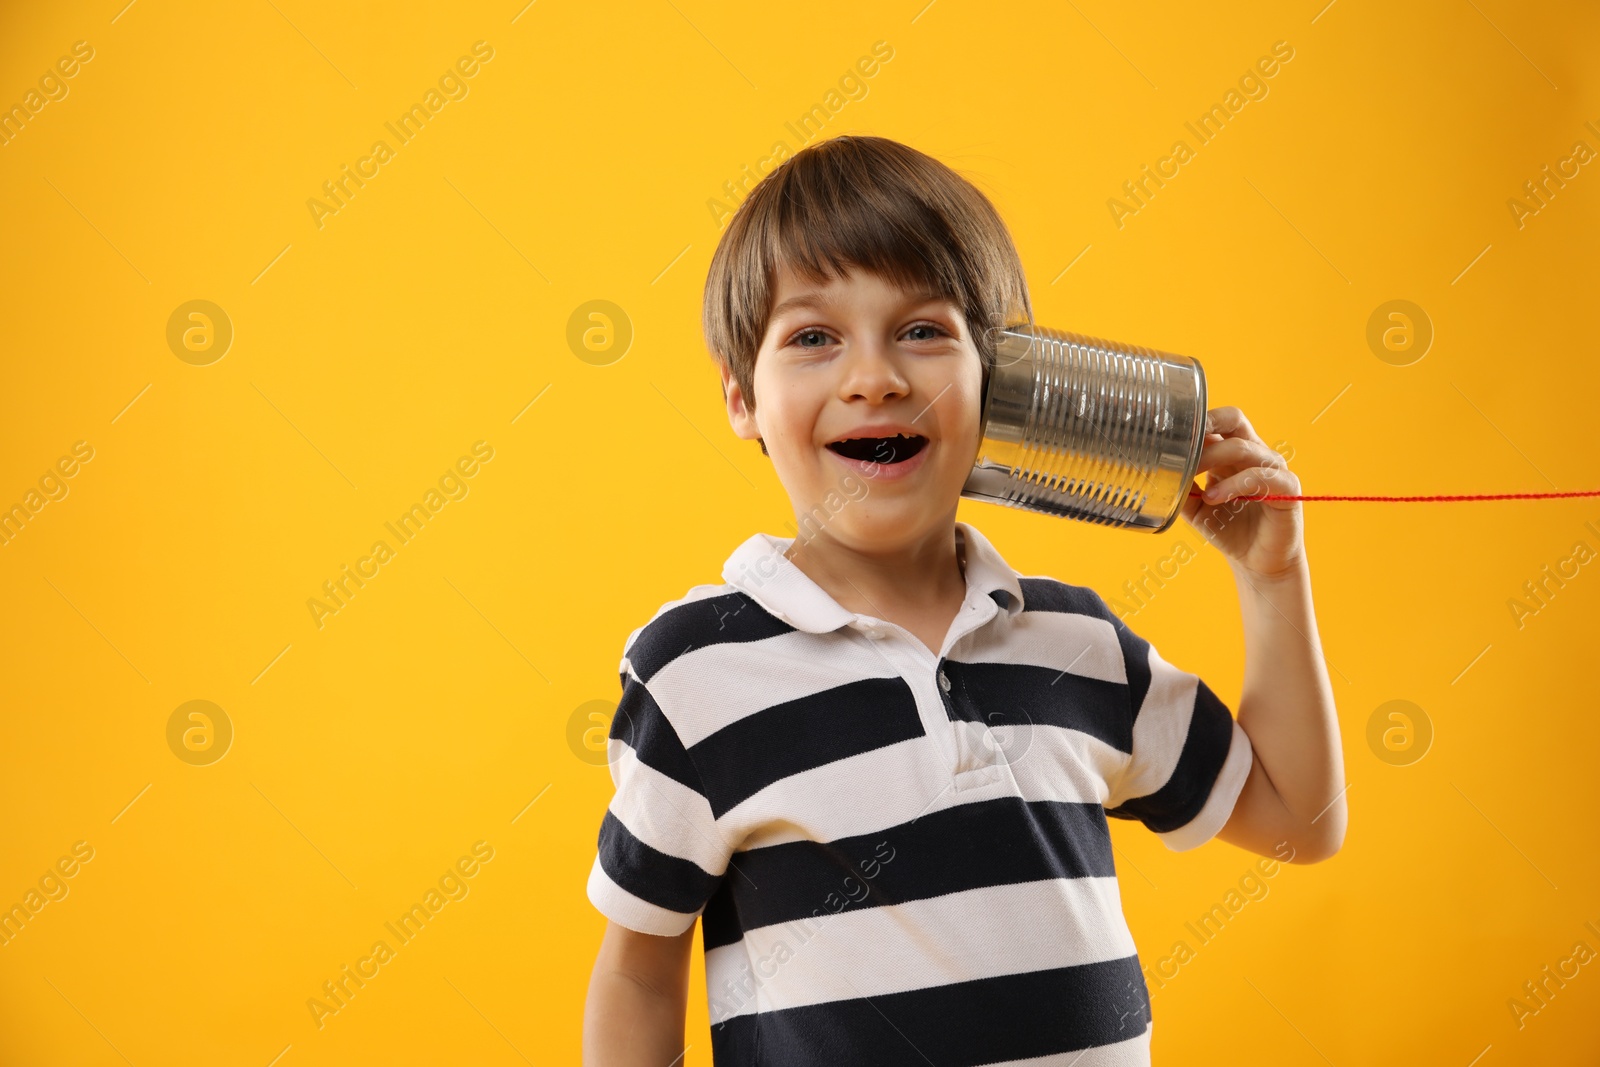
[760, 569]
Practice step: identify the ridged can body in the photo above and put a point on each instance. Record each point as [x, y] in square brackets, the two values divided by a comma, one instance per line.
[1089, 429]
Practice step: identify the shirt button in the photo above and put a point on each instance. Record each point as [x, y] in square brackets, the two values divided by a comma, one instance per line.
[944, 681]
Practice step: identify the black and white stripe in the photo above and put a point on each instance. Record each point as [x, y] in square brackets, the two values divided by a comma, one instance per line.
[889, 868]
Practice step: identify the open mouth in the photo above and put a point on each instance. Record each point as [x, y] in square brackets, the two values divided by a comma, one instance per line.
[885, 450]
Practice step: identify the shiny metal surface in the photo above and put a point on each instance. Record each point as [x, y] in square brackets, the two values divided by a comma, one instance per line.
[1088, 429]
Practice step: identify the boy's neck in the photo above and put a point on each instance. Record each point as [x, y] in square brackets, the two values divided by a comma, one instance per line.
[911, 583]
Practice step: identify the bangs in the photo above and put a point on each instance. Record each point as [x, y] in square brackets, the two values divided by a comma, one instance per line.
[864, 203]
[825, 225]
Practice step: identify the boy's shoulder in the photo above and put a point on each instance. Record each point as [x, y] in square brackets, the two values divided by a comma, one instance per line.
[707, 614]
[1042, 592]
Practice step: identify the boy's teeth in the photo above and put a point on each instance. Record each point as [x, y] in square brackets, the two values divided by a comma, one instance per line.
[888, 450]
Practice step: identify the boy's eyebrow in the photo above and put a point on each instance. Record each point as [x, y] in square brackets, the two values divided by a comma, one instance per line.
[817, 301]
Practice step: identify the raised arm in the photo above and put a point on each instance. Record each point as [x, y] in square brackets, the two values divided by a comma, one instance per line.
[1295, 790]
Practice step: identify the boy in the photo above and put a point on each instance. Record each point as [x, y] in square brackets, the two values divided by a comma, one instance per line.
[876, 762]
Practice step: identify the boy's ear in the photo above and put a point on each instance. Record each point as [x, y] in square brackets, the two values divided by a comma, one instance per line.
[739, 415]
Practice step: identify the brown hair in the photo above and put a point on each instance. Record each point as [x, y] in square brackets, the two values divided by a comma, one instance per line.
[870, 203]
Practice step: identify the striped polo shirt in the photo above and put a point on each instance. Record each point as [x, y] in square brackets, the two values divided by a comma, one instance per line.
[897, 856]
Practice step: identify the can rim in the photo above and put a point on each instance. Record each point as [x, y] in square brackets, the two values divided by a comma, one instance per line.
[1193, 464]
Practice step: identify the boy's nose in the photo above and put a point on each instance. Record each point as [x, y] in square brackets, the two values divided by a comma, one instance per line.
[871, 373]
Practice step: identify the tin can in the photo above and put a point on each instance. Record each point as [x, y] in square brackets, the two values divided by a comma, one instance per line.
[1089, 429]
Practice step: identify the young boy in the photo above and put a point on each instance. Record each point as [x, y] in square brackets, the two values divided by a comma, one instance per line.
[876, 761]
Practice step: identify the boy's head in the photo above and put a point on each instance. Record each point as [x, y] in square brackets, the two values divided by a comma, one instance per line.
[856, 290]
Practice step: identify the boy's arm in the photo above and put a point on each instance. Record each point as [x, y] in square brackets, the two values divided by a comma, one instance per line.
[638, 995]
[1295, 791]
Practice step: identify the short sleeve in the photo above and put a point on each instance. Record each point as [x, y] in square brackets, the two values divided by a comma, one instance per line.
[661, 853]
[1190, 757]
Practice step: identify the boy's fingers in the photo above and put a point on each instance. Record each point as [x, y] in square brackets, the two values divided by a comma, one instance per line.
[1230, 422]
[1221, 420]
[1269, 481]
[1229, 450]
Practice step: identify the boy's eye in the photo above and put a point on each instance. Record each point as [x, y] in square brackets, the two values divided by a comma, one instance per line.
[821, 336]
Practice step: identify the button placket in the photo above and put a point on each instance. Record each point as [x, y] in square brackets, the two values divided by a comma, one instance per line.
[971, 618]
[967, 769]
[961, 765]
[933, 689]
[949, 726]
[910, 662]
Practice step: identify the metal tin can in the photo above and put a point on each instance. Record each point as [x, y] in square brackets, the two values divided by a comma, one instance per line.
[1089, 429]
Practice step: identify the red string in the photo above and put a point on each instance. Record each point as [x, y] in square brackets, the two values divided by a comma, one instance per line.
[1195, 491]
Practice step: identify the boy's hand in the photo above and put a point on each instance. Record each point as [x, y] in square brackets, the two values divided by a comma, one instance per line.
[1262, 538]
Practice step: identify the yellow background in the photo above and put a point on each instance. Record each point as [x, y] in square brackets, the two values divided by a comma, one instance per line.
[369, 354]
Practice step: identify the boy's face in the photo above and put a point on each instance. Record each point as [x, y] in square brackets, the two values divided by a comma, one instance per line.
[861, 358]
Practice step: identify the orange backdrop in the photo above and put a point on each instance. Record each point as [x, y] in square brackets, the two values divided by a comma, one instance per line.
[283, 282]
